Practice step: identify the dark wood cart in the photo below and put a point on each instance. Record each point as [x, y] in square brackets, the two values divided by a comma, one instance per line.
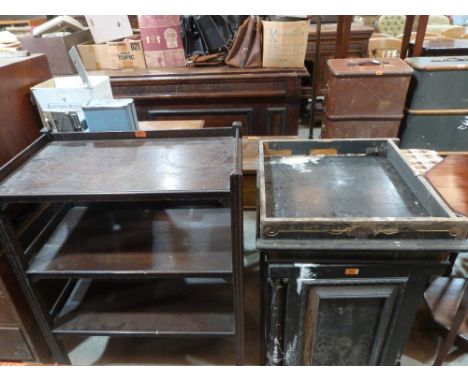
[138, 217]
[349, 238]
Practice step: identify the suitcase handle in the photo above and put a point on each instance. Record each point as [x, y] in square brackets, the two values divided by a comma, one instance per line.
[368, 62]
[450, 59]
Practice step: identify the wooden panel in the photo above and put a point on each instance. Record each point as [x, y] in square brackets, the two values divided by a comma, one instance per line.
[12, 345]
[20, 122]
[6, 310]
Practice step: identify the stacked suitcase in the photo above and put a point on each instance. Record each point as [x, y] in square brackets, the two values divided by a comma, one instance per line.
[365, 97]
[437, 114]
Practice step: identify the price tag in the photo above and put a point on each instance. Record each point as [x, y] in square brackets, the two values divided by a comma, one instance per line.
[140, 134]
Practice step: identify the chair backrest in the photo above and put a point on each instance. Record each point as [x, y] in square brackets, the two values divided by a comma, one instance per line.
[454, 32]
[391, 25]
[384, 47]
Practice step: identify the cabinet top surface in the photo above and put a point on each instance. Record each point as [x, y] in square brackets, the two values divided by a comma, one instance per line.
[123, 167]
[223, 70]
[7, 61]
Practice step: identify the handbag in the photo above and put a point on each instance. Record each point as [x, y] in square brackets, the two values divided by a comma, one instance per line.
[246, 50]
[205, 34]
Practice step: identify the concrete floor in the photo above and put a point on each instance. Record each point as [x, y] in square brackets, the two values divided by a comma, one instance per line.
[420, 349]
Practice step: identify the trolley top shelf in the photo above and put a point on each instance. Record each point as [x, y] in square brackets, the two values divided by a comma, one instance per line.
[82, 166]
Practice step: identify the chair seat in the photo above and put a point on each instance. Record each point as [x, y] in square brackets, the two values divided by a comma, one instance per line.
[443, 299]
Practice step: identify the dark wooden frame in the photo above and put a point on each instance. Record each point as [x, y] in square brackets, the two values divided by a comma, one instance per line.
[18, 258]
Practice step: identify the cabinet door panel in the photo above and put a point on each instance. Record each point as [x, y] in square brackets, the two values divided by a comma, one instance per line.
[346, 325]
[329, 318]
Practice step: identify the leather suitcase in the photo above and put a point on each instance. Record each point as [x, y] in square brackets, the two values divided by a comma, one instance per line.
[363, 87]
[444, 131]
[361, 127]
[438, 83]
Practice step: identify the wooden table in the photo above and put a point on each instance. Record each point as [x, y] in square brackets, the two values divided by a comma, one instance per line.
[450, 179]
[266, 101]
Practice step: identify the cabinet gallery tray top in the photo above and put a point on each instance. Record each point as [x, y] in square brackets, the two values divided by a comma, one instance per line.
[344, 189]
[123, 166]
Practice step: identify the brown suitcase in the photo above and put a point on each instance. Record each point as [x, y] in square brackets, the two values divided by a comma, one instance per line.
[361, 127]
[364, 87]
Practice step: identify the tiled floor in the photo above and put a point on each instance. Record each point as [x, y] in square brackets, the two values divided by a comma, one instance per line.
[420, 349]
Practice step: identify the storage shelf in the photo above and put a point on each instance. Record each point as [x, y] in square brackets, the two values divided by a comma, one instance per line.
[161, 308]
[137, 242]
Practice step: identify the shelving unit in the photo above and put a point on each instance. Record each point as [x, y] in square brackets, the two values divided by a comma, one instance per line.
[148, 236]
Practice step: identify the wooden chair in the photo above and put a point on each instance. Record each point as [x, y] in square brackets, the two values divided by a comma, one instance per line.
[454, 32]
[384, 47]
[427, 35]
[380, 35]
[447, 299]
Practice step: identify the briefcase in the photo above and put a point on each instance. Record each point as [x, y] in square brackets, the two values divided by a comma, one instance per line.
[367, 87]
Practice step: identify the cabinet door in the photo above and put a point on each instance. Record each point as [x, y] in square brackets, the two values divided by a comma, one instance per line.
[330, 317]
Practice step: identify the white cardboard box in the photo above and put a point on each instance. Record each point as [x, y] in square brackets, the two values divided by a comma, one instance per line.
[68, 93]
[109, 28]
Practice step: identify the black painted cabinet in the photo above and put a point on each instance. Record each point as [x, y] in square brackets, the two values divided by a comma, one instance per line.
[340, 314]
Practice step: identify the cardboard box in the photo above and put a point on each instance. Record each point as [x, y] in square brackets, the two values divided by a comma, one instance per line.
[113, 55]
[56, 49]
[284, 43]
[162, 41]
[61, 94]
[126, 54]
[109, 28]
[94, 56]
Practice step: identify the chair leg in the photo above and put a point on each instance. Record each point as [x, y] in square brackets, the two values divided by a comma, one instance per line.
[456, 323]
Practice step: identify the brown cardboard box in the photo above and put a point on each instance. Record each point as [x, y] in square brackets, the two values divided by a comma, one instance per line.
[284, 43]
[113, 55]
[94, 56]
[126, 54]
[162, 41]
[56, 49]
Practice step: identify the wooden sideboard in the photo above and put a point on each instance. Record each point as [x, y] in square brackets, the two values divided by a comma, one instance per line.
[265, 100]
[358, 44]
